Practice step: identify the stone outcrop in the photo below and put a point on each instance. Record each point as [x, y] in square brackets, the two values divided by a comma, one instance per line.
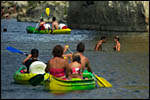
[31, 11]
[37, 10]
[109, 15]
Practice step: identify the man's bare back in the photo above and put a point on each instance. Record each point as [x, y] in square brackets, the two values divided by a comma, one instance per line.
[85, 62]
[55, 25]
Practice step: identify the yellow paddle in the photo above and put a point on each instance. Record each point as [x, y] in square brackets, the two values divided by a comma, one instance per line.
[102, 82]
[47, 11]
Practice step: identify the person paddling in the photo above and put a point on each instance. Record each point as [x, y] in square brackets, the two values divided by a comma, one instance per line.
[84, 60]
[58, 66]
[55, 24]
[30, 59]
[42, 23]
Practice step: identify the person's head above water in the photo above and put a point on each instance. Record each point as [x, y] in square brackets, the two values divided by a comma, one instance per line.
[54, 19]
[80, 47]
[57, 51]
[35, 53]
[117, 38]
[102, 38]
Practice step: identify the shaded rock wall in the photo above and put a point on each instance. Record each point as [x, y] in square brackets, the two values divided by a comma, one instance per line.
[108, 15]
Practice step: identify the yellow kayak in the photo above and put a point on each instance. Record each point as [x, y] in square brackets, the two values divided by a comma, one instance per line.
[23, 78]
[57, 85]
[31, 29]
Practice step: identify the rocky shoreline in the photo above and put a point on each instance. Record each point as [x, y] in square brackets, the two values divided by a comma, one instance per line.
[120, 16]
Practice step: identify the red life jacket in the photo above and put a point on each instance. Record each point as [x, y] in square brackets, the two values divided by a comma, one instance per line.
[42, 27]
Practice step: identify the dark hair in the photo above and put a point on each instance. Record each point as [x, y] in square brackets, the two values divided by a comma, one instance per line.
[54, 18]
[116, 37]
[76, 58]
[41, 19]
[102, 37]
[57, 51]
[80, 47]
[35, 52]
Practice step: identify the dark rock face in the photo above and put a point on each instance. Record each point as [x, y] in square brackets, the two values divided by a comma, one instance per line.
[107, 15]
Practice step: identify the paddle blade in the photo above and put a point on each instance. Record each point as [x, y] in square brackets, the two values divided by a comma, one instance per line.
[11, 49]
[100, 84]
[104, 82]
[47, 10]
[36, 80]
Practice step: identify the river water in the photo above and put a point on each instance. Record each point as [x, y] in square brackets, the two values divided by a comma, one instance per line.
[127, 70]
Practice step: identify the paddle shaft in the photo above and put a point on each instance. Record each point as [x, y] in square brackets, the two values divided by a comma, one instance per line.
[47, 11]
[102, 82]
[69, 50]
[36, 27]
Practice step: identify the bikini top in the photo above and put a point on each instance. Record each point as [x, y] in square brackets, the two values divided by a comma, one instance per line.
[58, 72]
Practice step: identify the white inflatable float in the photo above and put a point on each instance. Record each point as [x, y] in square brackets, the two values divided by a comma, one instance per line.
[37, 67]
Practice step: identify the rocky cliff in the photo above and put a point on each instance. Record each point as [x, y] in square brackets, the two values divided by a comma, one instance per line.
[109, 15]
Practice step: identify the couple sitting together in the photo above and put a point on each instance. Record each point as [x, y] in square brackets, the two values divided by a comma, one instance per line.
[55, 25]
[59, 67]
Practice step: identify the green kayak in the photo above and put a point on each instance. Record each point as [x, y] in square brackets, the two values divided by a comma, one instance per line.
[23, 78]
[57, 85]
[31, 29]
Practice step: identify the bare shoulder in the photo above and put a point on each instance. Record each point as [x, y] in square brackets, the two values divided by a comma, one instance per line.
[99, 42]
[50, 61]
[85, 58]
[118, 43]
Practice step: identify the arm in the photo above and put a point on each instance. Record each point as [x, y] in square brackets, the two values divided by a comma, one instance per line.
[88, 66]
[65, 48]
[98, 45]
[68, 56]
[27, 58]
[47, 67]
[118, 47]
[53, 25]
